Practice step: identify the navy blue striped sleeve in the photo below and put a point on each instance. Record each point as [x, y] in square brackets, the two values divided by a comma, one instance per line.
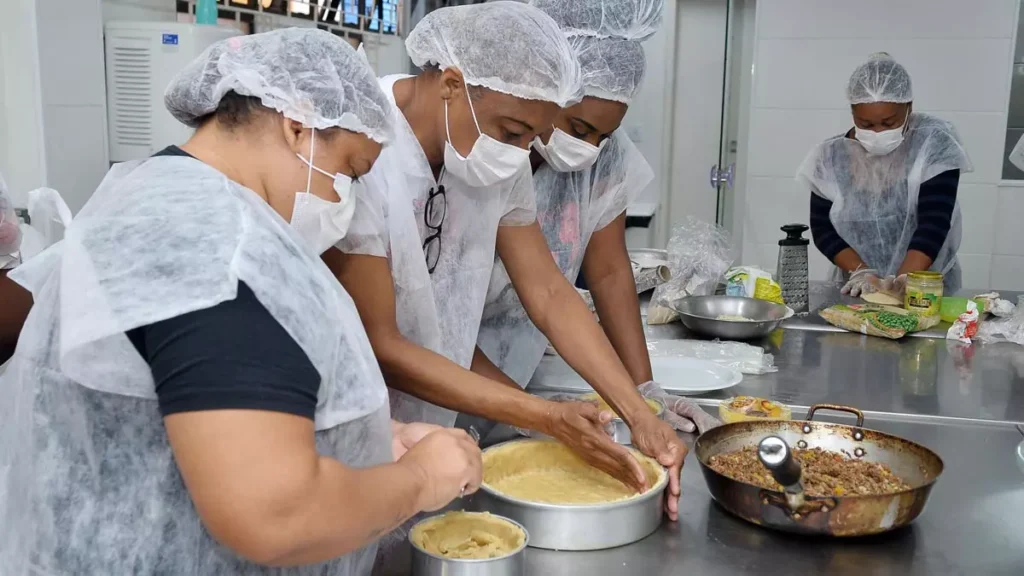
[828, 241]
[935, 203]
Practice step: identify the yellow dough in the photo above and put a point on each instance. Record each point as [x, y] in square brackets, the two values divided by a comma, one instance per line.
[468, 535]
[548, 472]
[602, 405]
[883, 298]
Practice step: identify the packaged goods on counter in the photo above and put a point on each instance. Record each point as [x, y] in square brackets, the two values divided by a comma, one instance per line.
[877, 320]
[965, 326]
[750, 282]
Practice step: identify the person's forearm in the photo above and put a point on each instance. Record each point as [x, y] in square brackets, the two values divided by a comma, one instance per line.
[483, 366]
[345, 509]
[619, 310]
[579, 340]
[915, 261]
[432, 377]
[849, 261]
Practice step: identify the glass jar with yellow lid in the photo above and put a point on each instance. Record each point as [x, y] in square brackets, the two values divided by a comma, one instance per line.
[924, 293]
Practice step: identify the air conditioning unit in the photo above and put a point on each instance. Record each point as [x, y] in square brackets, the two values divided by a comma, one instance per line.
[141, 59]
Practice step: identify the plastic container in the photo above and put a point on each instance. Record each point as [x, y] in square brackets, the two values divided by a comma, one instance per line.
[206, 12]
[747, 408]
[924, 293]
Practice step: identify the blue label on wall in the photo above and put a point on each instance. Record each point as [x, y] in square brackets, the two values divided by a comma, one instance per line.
[171, 39]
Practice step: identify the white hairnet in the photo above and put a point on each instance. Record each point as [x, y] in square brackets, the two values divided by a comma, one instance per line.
[880, 79]
[612, 68]
[309, 75]
[629, 19]
[508, 47]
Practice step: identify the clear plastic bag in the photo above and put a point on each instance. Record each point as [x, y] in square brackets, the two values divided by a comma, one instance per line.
[1008, 329]
[699, 255]
[746, 358]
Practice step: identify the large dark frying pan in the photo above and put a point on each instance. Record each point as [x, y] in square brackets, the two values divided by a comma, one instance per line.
[790, 510]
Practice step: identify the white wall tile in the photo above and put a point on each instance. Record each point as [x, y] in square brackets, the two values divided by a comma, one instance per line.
[77, 151]
[978, 212]
[780, 139]
[1008, 273]
[948, 74]
[1009, 221]
[71, 71]
[983, 135]
[818, 267]
[772, 203]
[885, 18]
[976, 270]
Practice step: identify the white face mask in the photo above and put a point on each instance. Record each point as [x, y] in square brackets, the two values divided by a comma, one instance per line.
[319, 222]
[489, 161]
[881, 143]
[565, 153]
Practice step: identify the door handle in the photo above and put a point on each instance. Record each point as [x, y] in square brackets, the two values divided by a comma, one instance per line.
[719, 177]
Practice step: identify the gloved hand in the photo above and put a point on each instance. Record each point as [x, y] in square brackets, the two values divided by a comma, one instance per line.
[863, 281]
[683, 414]
[896, 285]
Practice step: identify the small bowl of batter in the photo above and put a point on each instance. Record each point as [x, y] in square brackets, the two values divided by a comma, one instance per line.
[468, 543]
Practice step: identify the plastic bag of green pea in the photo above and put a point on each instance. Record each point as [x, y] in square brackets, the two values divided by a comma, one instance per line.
[877, 320]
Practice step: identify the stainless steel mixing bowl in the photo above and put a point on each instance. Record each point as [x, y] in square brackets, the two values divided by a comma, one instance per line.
[700, 315]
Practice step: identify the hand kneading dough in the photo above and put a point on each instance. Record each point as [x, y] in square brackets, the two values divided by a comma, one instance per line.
[551, 473]
[468, 535]
[605, 407]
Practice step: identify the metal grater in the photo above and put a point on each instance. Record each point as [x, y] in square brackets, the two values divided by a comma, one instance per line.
[792, 268]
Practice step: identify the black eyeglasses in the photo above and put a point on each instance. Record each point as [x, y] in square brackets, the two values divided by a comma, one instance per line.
[433, 216]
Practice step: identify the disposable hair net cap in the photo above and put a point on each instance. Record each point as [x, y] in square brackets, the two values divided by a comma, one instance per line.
[508, 47]
[880, 79]
[308, 75]
[629, 19]
[612, 68]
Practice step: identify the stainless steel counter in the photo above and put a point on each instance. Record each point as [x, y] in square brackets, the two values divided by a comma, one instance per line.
[916, 377]
[973, 524]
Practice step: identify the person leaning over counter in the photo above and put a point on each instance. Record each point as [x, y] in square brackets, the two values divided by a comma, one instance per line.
[884, 194]
[586, 172]
[454, 189]
[15, 301]
[176, 403]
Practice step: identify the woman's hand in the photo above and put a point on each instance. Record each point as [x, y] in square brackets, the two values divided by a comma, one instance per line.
[405, 436]
[448, 462]
[581, 427]
[657, 439]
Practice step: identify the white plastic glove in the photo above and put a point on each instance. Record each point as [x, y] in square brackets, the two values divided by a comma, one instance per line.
[683, 414]
[865, 280]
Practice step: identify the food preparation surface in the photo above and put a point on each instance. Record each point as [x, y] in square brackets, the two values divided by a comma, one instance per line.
[915, 377]
[468, 535]
[972, 525]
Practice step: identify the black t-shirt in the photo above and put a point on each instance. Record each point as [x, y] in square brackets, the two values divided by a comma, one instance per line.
[234, 355]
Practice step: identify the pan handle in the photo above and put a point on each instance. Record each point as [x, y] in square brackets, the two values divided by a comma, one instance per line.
[776, 455]
[837, 408]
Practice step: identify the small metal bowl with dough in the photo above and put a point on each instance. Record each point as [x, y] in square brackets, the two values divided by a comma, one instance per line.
[578, 526]
[426, 563]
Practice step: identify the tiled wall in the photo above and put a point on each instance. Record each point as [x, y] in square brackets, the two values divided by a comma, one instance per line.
[959, 55]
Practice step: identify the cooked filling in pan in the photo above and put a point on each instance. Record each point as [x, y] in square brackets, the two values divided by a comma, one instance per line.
[825, 473]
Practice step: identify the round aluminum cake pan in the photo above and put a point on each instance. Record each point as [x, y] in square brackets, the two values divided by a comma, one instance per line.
[427, 564]
[581, 526]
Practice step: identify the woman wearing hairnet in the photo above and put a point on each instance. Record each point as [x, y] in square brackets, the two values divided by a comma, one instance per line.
[586, 172]
[884, 194]
[177, 403]
[454, 189]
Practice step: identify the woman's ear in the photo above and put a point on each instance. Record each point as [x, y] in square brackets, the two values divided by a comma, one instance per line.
[295, 136]
[451, 83]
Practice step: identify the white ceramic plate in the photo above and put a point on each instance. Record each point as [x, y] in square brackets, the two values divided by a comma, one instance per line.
[676, 374]
[683, 375]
